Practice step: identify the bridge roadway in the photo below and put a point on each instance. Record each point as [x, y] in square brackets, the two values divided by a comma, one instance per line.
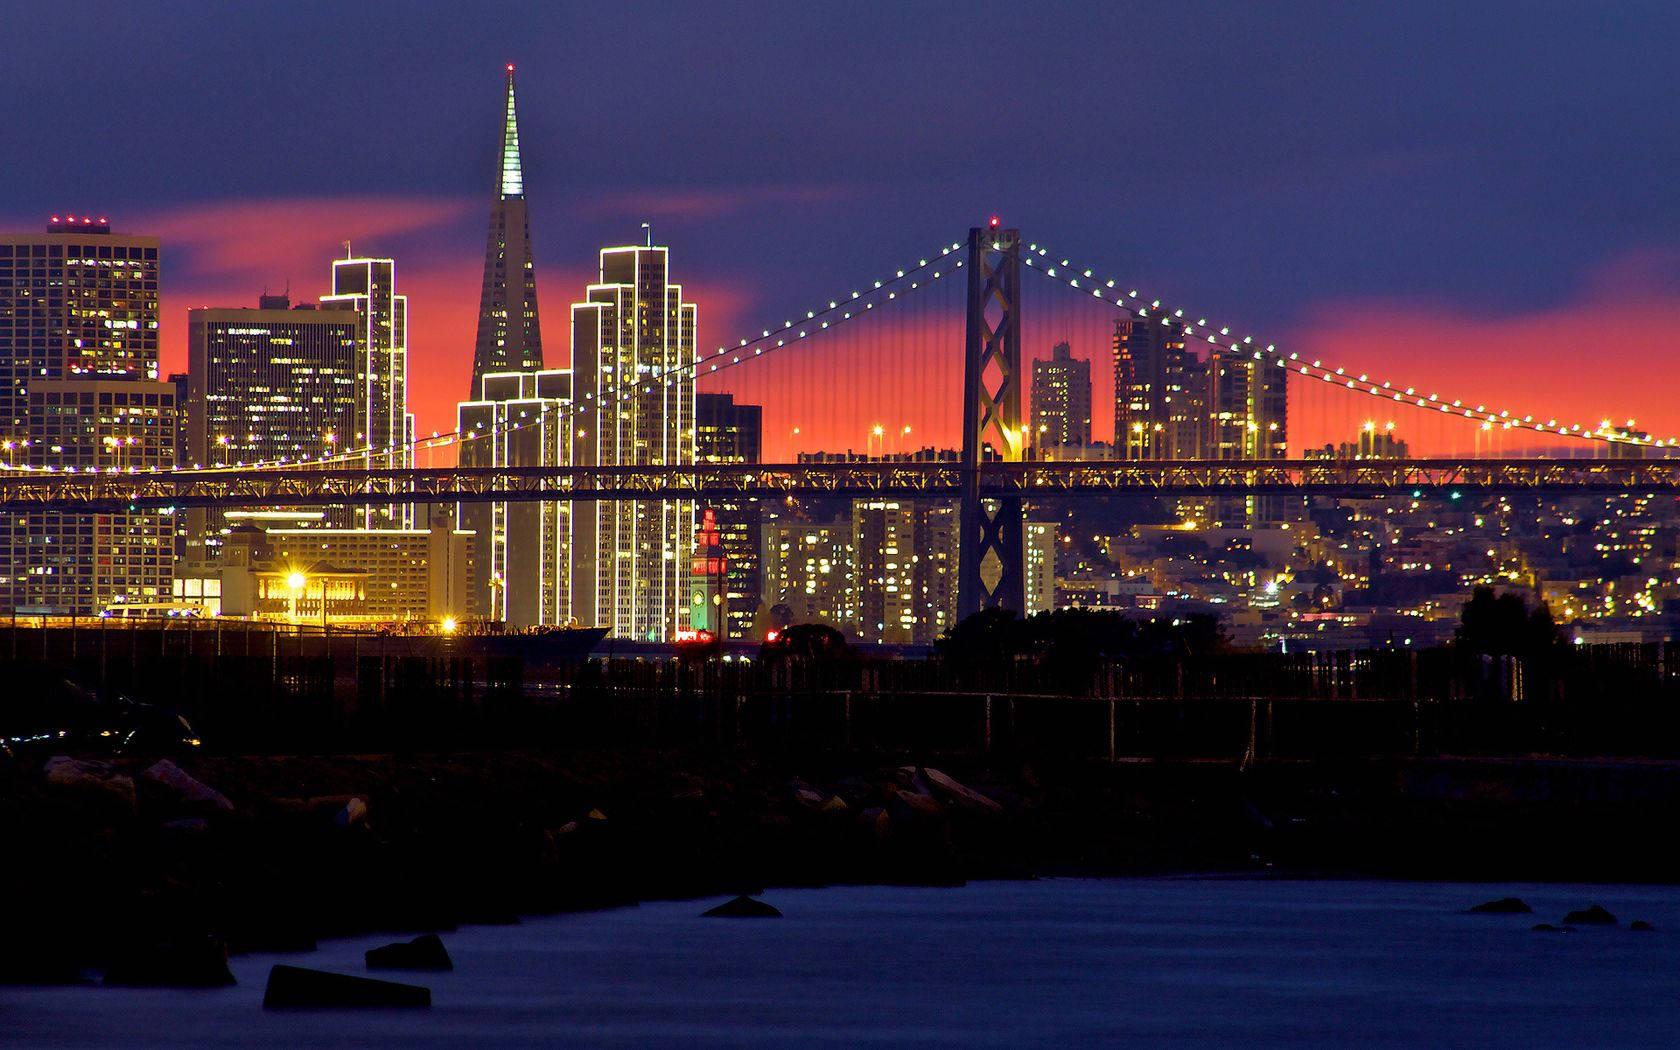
[304, 486]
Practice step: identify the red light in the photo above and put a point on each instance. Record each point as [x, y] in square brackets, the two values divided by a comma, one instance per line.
[772, 634]
[995, 222]
[510, 67]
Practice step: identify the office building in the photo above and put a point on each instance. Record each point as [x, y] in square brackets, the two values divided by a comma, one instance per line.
[364, 291]
[884, 562]
[725, 432]
[411, 574]
[264, 384]
[1040, 561]
[809, 572]
[79, 391]
[522, 571]
[1061, 400]
[509, 331]
[632, 352]
[1159, 391]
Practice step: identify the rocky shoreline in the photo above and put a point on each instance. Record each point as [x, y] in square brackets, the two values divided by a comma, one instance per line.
[150, 872]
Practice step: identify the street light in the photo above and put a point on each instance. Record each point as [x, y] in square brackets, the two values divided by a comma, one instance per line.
[295, 583]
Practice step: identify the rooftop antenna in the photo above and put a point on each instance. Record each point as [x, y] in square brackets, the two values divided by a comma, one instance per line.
[347, 254]
[648, 226]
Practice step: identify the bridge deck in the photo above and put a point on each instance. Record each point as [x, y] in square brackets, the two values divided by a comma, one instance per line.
[24, 490]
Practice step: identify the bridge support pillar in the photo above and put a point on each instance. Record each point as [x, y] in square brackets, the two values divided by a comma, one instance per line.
[991, 570]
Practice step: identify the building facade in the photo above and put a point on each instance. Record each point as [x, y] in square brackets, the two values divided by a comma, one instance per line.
[1040, 561]
[411, 574]
[264, 384]
[726, 432]
[364, 291]
[522, 571]
[79, 391]
[1061, 400]
[809, 572]
[632, 358]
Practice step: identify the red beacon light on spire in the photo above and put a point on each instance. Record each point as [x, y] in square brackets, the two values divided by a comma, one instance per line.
[510, 67]
[995, 222]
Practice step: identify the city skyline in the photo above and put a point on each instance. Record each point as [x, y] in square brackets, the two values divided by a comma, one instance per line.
[1290, 242]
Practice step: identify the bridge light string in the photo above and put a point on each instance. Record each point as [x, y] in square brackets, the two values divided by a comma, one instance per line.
[1038, 258]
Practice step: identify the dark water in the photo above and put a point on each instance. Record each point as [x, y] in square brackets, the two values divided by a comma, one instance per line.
[1157, 962]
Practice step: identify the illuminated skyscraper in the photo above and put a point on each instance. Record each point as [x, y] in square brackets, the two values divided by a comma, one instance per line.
[1160, 391]
[509, 336]
[726, 432]
[367, 288]
[521, 572]
[79, 391]
[632, 357]
[1061, 400]
[264, 384]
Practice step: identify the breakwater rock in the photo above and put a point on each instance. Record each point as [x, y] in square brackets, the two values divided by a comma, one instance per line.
[116, 863]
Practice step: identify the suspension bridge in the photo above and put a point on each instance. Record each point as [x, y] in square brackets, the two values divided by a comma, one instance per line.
[897, 369]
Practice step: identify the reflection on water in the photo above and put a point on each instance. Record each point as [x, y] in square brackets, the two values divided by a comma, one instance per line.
[1190, 961]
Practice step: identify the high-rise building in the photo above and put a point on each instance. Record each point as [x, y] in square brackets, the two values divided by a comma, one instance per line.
[1159, 392]
[809, 570]
[365, 289]
[509, 335]
[1246, 419]
[1061, 399]
[884, 563]
[725, 432]
[522, 571]
[1039, 538]
[79, 391]
[632, 357]
[935, 577]
[904, 558]
[267, 383]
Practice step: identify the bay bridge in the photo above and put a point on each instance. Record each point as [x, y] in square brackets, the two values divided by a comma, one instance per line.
[996, 468]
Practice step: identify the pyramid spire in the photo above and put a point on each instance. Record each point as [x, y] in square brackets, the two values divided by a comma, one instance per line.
[509, 333]
[513, 177]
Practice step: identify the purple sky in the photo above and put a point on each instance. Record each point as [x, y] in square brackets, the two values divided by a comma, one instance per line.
[1455, 194]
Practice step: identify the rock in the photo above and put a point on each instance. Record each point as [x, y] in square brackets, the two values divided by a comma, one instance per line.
[956, 794]
[920, 806]
[808, 797]
[876, 821]
[1546, 927]
[1502, 906]
[425, 952]
[290, 986]
[742, 908]
[354, 813]
[1641, 926]
[93, 780]
[1593, 916]
[194, 961]
[185, 788]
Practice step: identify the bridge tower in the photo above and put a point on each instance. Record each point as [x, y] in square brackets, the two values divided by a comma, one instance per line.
[991, 572]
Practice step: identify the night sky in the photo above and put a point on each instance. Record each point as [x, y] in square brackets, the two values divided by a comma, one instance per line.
[1480, 202]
